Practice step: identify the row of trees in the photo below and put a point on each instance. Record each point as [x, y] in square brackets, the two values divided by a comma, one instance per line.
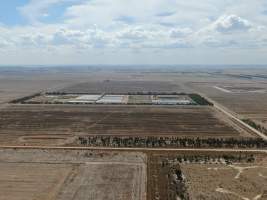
[200, 100]
[24, 99]
[224, 158]
[256, 126]
[171, 142]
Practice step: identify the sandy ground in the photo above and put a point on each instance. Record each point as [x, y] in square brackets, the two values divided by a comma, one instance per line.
[227, 182]
[71, 175]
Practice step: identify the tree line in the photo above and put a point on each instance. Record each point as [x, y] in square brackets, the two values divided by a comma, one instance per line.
[171, 142]
[256, 126]
[24, 99]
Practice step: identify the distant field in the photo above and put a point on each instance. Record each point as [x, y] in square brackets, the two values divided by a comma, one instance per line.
[59, 124]
[71, 175]
[248, 100]
[17, 87]
[119, 87]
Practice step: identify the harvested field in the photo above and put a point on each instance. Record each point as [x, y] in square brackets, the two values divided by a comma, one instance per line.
[121, 87]
[23, 124]
[71, 175]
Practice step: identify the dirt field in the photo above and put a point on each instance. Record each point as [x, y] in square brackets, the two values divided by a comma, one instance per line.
[227, 182]
[71, 175]
[59, 124]
[121, 87]
[15, 88]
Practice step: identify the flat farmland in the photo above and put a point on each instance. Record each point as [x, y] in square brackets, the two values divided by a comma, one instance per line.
[61, 124]
[248, 103]
[120, 87]
[71, 175]
[17, 87]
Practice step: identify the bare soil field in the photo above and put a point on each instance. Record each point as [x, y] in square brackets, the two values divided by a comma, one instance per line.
[121, 87]
[61, 124]
[16, 88]
[71, 175]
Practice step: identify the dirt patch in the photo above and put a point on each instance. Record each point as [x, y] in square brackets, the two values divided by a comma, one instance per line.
[221, 181]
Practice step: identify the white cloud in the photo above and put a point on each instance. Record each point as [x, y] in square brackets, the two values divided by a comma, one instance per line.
[180, 32]
[132, 26]
[231, 23]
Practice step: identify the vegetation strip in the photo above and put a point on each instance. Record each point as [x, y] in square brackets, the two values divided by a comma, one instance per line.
[171, 142]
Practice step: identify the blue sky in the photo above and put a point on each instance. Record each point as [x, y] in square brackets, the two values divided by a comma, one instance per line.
[133, 32]
[9, 14]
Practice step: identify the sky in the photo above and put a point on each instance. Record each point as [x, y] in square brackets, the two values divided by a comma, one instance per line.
[51, 32]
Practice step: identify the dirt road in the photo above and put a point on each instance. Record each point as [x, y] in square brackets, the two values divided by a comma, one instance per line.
[134, 149]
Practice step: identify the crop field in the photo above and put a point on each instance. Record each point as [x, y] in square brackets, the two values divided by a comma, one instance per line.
[209, 176]
[120, 87]
[71, 175]
[60, 124]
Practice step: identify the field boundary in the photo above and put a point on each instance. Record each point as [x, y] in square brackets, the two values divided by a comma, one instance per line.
[135, 149]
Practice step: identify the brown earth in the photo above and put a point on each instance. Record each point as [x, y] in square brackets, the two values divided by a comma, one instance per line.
[71, 175]
[59, 124]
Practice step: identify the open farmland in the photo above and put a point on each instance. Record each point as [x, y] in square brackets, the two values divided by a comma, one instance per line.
[14, 87]
[247, 104]
[60, 124]
[120, 87]
[71, 175]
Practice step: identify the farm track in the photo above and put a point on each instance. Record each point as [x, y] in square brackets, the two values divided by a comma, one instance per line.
[135, 149]
[233, 115]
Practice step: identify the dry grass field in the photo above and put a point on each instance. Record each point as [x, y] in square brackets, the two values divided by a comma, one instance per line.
[60, 124]
[227, 182]
[206, 176]
[71, 175]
